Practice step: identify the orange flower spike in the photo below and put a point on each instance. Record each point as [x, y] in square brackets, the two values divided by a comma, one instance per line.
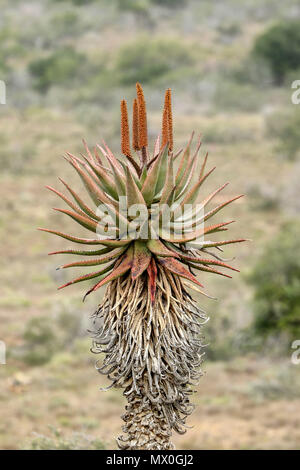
[135, 125]
[125, 141]
[168, 105]
[143, 134]
[164, 127]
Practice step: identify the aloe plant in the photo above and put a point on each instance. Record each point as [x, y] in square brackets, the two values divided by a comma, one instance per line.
[150, 326]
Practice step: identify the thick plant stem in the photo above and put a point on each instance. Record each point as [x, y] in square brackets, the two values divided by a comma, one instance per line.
[146, 427]
[153, 351]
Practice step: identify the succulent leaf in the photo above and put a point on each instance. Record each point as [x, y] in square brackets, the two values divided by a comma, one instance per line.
[82, 252]
[169, 183]
[94, 262]
[122, 268]
[86, 277]
[80, 202]
[163, 170]
[85, 221]
[152, 275]
[133, 193]
[220, 206]
[141, 259]
[96, 194]
[88, 241]
[150, 183]
[184, 160]
[176, 267]
[105, 180]
[159, 249]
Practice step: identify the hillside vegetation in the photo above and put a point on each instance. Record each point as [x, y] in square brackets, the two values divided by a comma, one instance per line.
[66, 65]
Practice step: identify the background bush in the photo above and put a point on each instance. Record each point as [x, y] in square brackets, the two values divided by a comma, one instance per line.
[285, 128]
[144, 5]
[46, 336]
[276, 280]
[170, 3]
[145, 60]
[59, 68]
[56, 441]
[279, 46]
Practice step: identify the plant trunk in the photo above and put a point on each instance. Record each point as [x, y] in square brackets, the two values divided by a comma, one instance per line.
[146, 425]
[153, 351]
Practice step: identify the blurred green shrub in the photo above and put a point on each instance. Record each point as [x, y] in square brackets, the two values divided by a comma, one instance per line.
[66, 23]
[237, 96]
[40, 341]
[170, 3]
[279, 46]
[276, 280]
[44, 336]
[253, 71]
[134, 6]
[263, 197]
[222, 131]
[229, 29]
[285, 128]
[10, 48]
[224, 339]
[61, 67]
[138, 6]
[147, 60]
[81, 2]
[76, 2]
[277, 384]
[58, 442]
